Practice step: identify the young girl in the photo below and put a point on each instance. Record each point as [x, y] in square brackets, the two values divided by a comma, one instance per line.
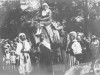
[6, 57]
[13, 59]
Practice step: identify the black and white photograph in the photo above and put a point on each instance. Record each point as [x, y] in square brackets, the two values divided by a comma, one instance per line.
[49, 37]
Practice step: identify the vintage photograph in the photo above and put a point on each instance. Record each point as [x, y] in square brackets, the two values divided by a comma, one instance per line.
[49, 37]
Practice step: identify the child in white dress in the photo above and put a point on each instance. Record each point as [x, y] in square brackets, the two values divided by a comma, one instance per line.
[13, 59]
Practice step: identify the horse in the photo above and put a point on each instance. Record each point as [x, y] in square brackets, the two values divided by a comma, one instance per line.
[53, 36]
[34, 28]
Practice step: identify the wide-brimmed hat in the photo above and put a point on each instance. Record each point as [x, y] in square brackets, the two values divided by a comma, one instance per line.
[22, 34]
[73, 33]
[80, 34]
[45, 4]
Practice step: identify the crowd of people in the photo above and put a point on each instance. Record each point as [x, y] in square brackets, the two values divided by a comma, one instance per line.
[16, 53]
[50, 43]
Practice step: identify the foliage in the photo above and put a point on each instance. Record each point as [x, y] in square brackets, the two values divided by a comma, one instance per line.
[15, 17]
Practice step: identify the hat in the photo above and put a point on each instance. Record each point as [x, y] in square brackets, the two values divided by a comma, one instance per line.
[12, 51]
[22, 34]
[80, 34]
[73, 33]
[93, 36]
[45, 4]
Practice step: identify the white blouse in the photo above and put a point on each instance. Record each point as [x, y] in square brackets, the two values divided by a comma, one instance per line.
[46, 12]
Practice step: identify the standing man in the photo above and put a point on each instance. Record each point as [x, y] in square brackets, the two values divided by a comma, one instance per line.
[45, 55]
[23, 49]
[94, 46]
[74, 49]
